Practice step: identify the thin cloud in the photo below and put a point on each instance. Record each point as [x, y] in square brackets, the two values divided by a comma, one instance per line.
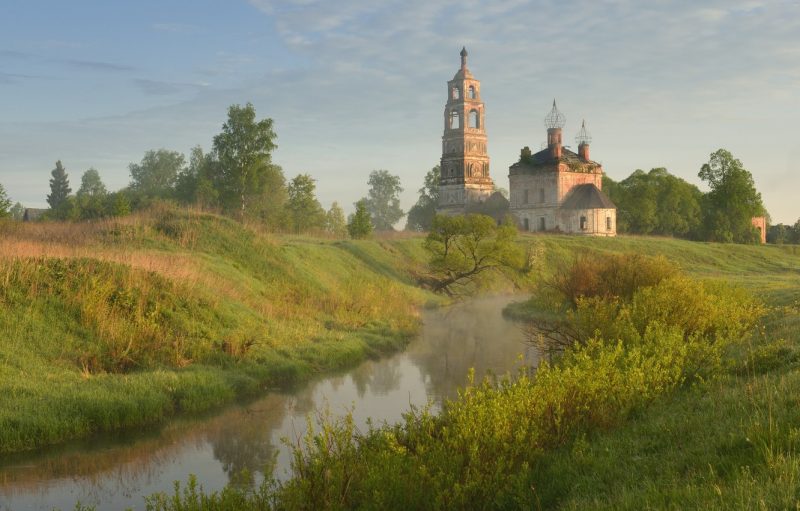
[165, 88]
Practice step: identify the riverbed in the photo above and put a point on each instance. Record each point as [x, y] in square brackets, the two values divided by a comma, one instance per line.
[117, 471]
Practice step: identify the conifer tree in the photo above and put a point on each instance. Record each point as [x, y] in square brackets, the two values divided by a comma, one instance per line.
[59, 186]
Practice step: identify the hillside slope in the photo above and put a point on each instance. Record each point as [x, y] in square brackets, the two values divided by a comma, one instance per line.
[119, 324]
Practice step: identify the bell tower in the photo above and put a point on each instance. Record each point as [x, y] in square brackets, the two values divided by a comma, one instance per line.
[465, 162]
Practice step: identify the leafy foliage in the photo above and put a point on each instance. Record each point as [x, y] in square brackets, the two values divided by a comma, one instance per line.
[732, 201]
[465, 248]
[383, 199]
[17, 211]
[156, 174]
[655, 202]
[244, 174]
[420, 216]
[303, 209]
[359, 225]
[335, 222]
[5, 203]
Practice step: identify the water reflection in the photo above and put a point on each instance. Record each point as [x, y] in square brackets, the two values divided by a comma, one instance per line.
[115, 472]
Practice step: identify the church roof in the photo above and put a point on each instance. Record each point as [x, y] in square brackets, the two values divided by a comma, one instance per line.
[544, 157]
[587, 196]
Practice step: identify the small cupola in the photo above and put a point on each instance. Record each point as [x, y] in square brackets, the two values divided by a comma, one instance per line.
[554, 122]
[583, 139]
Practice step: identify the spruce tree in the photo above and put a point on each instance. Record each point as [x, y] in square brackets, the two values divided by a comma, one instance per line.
[59, 186]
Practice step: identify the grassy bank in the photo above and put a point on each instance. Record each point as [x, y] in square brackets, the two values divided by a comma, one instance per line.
[667, 413]
[121, 324]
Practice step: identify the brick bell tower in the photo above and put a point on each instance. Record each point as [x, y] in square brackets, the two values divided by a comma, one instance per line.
[465, 162]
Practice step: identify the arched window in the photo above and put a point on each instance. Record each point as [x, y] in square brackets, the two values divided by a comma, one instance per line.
[456, 93]
[455, 120]
[472, 93]
[474, 119]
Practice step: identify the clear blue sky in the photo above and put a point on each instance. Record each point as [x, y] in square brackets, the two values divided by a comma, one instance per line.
[360, 85]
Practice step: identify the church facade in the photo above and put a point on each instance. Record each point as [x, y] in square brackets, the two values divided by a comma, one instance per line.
[554, 190]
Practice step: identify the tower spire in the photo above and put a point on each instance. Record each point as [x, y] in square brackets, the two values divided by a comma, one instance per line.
[464, 57]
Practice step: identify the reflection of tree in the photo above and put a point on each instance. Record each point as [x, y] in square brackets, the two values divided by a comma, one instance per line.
[379, 377]
[243, 441]
[472, 334]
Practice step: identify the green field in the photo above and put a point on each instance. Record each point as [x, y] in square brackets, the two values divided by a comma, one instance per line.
[120, 324]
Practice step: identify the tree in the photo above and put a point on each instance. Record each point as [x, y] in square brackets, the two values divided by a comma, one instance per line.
[5, 203]
[91, 185]
[91, 197]
[383, 201]
[59, 186]
[335, 222]
[156, 174]
[17, 211]
[359, 225]
[732, 201]
[465, 248]
[655, 202]
[194, 183]
[304, 210]
[244, 150]
[420, 216]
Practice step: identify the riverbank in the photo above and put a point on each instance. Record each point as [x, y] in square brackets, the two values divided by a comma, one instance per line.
[690, 408]
[123, 324]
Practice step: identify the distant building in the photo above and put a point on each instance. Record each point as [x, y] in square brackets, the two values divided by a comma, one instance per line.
[33, 214]
[760, 223]
[559, 190]
[552, 190]
[465, 177]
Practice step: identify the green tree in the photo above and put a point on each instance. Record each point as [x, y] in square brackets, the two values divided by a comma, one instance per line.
[195, 183]
[17, 211]
[732, 201]
[655, 202]
[5, 203]
[465, 248]
[304, 210]
[359, 225]
[91, 196]
[156, 174]
[335, 222]
[243, 151]
[92, 185]
[383, 199]
[59, 187]
[420, 216]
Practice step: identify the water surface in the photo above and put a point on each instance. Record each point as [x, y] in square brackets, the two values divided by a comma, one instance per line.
[116, 472]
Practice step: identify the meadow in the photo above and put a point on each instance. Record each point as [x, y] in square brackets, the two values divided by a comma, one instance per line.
[120, 324]
[691, 404]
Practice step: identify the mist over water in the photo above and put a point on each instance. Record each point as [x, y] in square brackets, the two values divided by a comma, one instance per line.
[117, 472]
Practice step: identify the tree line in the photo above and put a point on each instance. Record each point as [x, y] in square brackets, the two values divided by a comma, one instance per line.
[237, 177]
[659, 203]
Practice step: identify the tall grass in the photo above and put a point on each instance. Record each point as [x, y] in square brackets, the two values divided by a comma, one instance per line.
[487, 449]
[122, 323]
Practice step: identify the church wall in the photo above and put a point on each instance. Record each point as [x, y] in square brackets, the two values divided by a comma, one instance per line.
[569, 180]
[569, 221]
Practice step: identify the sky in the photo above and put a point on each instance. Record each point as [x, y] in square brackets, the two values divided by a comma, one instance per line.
[359, 85]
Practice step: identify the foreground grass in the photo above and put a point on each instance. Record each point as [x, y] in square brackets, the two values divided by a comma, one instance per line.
[121, 324]
[615, 428]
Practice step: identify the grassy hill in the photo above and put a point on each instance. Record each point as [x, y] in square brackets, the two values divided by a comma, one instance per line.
[119, 324]
[122, 323]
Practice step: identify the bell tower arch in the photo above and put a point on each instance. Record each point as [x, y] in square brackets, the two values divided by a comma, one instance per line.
[465, 161]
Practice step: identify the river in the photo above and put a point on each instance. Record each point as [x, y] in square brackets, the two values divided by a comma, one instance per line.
[116, 472]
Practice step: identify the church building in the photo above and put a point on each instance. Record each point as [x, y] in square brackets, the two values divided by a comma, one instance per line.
[465, 163]
[553, 190]
[559, 190]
